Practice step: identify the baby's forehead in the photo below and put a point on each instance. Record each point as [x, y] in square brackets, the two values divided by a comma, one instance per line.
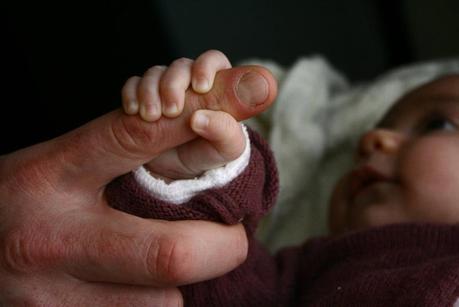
[442, 90]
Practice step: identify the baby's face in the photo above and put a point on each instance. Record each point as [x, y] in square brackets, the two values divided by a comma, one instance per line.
[407, 168]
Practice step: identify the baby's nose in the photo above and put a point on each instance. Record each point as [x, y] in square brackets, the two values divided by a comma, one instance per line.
[382, 141]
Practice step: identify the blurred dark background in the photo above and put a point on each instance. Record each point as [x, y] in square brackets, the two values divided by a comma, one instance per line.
[64, 62]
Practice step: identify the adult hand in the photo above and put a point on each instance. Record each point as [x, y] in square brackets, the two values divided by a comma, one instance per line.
[61, 244]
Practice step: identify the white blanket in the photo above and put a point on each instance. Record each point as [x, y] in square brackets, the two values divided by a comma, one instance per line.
[312, 128]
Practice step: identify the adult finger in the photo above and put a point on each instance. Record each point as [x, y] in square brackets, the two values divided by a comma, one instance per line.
[205, 67]
[88, 158]
[156, 253]
[242, 92]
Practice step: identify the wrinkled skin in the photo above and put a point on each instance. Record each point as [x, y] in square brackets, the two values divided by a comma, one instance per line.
[61, 245]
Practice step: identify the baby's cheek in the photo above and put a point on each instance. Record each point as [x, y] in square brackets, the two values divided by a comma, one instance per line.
[429, 169]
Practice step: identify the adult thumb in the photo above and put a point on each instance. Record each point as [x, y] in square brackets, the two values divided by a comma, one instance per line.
[116, 143]
[242, 91]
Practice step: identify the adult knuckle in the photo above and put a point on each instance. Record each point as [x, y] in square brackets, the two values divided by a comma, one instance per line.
[168, 258]
[28, 178]
[212, 101]
[132, 137]
[125, 136]
[26, 250]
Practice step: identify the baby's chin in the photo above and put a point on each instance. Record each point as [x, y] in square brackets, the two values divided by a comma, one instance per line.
[368, 224]
[372, 217]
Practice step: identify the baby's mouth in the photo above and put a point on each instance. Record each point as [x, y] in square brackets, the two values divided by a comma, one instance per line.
[363, 177]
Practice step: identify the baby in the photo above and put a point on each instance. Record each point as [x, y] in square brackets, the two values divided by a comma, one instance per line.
[393, 216]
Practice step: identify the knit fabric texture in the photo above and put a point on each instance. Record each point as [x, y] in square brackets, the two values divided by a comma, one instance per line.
[394, 265]
[181, 191]
[246, 199]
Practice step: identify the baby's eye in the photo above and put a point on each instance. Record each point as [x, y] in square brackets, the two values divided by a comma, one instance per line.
[438, 123]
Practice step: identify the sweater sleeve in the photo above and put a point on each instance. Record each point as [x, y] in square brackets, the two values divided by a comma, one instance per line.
[182, 190]
[245, 199]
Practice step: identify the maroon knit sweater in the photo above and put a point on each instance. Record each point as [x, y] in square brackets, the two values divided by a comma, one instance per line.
[396, 265]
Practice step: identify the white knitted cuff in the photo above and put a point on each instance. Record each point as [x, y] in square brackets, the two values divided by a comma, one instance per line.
[180, 191]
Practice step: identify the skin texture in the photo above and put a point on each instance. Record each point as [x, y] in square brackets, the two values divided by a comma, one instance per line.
[61, 245]
[412, 159]
[221, 139]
